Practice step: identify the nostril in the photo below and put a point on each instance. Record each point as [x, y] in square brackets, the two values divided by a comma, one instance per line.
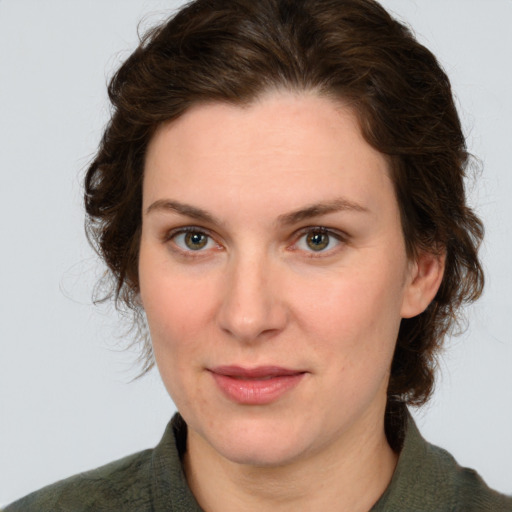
[251, 308]
[250, 321]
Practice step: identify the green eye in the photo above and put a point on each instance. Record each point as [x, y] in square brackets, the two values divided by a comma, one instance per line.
[193, 240]
[317, 241]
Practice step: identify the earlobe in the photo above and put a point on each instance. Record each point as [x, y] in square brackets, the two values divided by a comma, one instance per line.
[425, 277]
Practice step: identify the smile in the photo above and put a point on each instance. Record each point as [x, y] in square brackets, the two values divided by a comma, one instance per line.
[255, 386]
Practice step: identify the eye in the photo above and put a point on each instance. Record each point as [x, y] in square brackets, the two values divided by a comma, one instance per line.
[192, 240]
[318, 240]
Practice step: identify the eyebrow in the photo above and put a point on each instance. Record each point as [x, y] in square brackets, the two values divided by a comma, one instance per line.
[317, 209]
[313, 210]
[183, 209]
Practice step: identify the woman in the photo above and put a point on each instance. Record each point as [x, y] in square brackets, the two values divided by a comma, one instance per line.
[280, 190]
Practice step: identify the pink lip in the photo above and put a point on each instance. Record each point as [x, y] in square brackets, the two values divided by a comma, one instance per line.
[255, 386]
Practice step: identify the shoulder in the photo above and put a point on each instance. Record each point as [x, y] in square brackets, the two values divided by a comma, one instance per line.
[145, 481]
[122, 484]
[461, 486]
[429, 479]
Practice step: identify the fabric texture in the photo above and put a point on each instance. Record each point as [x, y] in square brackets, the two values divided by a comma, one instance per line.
[426, 479]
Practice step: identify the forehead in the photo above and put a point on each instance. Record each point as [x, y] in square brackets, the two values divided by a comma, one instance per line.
[290, 148]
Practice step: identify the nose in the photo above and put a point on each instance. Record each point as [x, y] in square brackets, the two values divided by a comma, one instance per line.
[252, 306]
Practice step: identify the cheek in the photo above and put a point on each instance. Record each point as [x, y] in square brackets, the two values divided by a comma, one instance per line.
[176, 309]
[354, 316]
[172, 303]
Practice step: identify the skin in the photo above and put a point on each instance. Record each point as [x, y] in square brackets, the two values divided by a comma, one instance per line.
[257, 294]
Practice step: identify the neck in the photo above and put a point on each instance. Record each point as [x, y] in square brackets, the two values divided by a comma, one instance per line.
[350, 476]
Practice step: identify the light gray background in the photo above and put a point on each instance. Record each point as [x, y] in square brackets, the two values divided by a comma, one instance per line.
[66, 403]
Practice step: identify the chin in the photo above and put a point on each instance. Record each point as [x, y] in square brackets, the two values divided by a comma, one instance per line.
[261, 442]
[264, 454]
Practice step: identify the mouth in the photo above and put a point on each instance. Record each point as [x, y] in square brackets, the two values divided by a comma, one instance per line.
[255, 386]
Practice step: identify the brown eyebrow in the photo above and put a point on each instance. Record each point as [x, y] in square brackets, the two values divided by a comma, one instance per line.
[317, 209]
[313, 210]
[183, 209]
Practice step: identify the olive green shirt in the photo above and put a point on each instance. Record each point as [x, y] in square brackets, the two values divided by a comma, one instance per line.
[426, 479]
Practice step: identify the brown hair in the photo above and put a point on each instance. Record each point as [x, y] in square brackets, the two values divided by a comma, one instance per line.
[349, 50]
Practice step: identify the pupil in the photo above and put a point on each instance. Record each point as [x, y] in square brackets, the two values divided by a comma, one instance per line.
[318, 241]
[195, 241]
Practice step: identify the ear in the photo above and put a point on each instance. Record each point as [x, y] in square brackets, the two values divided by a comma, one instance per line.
[424, 279]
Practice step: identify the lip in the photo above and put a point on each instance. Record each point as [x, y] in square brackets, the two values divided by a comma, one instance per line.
[255, 386]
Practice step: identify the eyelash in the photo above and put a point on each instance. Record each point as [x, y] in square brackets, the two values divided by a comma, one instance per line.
[334, 235]
[338, 237]
[189, 253]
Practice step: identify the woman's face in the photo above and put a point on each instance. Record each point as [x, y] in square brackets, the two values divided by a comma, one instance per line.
[274, 276]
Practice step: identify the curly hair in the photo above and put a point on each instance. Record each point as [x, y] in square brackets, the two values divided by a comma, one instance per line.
[351, 50]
